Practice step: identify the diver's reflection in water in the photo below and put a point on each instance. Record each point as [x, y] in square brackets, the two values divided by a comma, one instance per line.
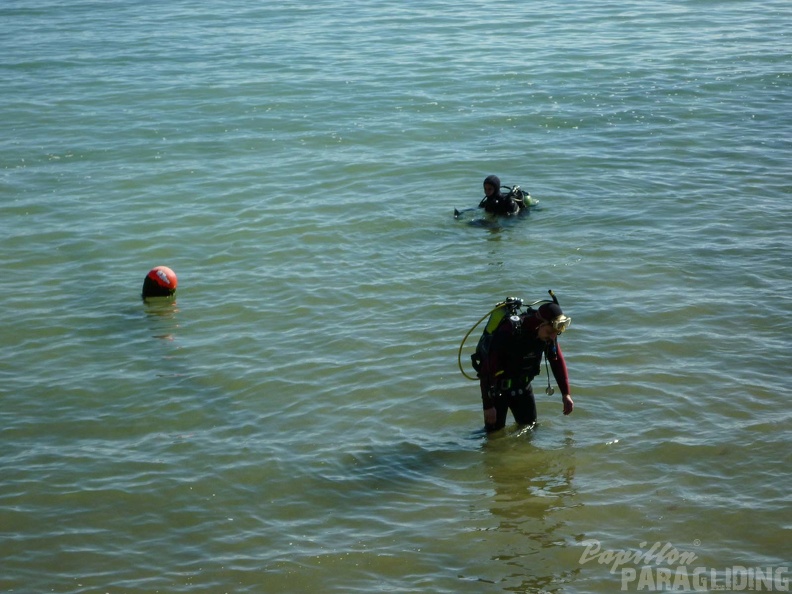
[163, 311]
[533, 489]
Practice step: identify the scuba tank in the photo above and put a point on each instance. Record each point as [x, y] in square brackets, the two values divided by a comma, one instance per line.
[521, 197]
[511, 309]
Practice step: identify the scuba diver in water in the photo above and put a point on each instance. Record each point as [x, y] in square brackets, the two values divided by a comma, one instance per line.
[496, 203]
[512, 357]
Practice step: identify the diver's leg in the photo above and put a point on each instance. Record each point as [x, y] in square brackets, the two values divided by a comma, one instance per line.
[523, 406]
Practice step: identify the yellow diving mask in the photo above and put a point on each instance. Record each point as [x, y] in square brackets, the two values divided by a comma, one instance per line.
[561, 323]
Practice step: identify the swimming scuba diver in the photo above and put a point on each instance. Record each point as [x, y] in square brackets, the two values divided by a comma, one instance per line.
[496, 203]
[509, 356]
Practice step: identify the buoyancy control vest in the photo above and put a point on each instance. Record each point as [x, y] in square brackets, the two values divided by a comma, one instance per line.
[507, 203]
[508, 311]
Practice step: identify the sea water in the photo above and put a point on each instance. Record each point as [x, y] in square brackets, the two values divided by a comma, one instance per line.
[296, 421]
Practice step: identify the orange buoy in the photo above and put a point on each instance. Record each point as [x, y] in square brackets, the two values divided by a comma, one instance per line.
[161, 281]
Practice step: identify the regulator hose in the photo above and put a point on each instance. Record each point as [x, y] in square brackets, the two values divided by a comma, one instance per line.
[469, 332]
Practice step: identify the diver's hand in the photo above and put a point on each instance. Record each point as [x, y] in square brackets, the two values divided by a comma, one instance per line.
[569, 406]
[490, 416]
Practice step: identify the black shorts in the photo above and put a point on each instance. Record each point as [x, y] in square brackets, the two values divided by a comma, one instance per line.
[521, 403]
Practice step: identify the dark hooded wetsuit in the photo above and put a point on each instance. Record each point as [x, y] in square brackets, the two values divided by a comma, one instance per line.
[515, 358]
[497, 203]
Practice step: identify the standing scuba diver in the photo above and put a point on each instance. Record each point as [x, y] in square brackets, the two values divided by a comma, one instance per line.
[496, 203]
[509, 356]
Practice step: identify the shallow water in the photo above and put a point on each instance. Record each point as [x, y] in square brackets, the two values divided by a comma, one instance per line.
[296, 421]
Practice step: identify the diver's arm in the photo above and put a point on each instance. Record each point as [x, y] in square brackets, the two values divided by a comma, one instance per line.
[489, 388]
[487, 391]
[561, 376]
[490, 416]
[488, 401]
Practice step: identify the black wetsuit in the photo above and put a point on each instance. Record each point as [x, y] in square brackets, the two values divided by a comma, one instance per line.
[514, 359]
[497, 203]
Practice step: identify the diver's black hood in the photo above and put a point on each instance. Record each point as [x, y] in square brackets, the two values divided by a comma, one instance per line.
[549, 312]
[495, 181]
